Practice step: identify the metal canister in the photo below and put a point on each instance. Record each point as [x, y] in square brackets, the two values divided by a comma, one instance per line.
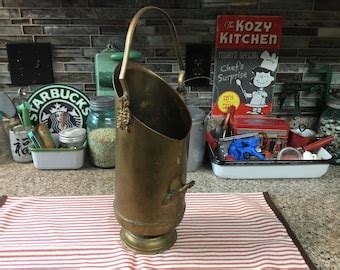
[197, 141]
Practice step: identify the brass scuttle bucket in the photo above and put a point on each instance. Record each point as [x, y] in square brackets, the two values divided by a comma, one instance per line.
[153, 126]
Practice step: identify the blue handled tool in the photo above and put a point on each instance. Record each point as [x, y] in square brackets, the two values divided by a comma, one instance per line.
[242, 149]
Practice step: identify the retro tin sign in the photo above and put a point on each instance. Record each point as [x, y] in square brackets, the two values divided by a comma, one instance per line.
[246, 61]
[58, 106]
[248, 32]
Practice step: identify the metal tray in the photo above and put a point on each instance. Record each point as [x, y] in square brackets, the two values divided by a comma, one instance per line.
[271, 168]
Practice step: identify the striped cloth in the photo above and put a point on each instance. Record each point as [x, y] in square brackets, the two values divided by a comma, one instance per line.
[228, 231]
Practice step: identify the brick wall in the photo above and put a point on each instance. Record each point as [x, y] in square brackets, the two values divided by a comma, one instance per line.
[78, 29]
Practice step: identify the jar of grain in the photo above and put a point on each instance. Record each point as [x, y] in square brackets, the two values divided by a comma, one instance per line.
[101, 133]
[330, 124]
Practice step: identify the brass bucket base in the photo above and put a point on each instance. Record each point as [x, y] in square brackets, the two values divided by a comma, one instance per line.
[148, 244]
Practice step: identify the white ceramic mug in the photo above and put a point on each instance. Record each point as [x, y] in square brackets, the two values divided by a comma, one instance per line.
[307, 155]
[19, 144]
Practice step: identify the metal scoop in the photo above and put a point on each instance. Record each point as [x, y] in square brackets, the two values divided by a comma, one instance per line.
[7, 106]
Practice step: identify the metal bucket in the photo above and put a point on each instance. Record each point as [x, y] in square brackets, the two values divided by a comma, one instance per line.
[153, 126]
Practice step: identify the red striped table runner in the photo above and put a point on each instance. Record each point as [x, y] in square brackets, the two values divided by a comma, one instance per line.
[228, 231]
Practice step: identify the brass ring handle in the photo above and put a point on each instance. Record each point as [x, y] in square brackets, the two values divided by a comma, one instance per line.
[128, 43]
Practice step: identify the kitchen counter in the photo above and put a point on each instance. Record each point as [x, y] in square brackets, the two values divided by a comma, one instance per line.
[310, 206]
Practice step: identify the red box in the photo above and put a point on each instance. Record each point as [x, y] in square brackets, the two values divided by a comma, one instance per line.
[274, 131]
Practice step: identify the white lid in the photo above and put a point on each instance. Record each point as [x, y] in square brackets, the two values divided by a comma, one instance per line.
[74, 134]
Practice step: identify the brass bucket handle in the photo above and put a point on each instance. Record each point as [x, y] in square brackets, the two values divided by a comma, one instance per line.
[128, 43]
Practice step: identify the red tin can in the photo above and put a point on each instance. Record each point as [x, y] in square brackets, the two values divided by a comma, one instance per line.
[274, 131]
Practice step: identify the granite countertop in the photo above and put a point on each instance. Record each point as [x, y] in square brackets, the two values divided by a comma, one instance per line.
[309, 205]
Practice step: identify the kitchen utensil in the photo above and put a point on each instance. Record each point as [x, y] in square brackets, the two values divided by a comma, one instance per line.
[23, 108]
[22, 94]
[230, 138]
[210, 140]
[222, 144]
[153, 125]
[245, 148]
[300, 136]
[317, 144]
[8, 109]
[217, 132]
[5, 150]
[291, 153]
[225, 142]
[226, 121]
[7, 106]
[275, 130]
[222, 150]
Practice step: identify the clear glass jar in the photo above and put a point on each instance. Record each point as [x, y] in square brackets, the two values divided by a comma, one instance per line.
[72, 137]
[101, 132]
[330, 124]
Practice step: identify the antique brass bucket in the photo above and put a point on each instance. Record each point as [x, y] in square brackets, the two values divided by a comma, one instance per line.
[153, 126]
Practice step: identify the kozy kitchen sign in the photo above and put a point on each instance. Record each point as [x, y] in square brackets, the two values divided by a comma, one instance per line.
[248, 32]
[246, 61]
[58, 105]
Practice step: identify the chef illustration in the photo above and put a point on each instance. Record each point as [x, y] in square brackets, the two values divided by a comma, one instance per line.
[263, 77]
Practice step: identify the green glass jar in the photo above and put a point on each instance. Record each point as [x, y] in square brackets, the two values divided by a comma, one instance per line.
[101, 132]
[330, 124]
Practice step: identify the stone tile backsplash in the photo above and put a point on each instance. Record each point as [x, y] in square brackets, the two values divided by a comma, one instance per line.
[78, 29]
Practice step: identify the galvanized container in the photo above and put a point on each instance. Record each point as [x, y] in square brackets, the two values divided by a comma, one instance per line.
[197, 141]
